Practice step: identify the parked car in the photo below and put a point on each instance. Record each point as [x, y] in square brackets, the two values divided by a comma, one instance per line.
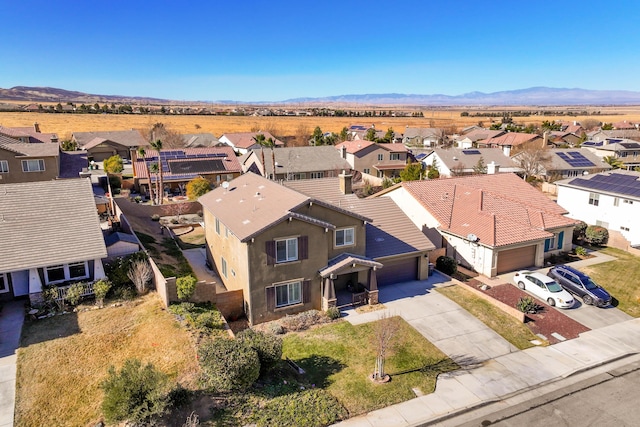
[543, 287]
[581, 285]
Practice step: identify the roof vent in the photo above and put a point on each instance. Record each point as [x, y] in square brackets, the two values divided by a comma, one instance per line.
[472, 237]
[257, 194]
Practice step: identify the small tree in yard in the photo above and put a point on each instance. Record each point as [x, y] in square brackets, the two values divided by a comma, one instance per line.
[140, 273]
[385, 330]
[596, 235]
[185, 286]
[100, 290]
[447, 265]
[198, 187]
[228, 365]
[136, 393]
[175, 209]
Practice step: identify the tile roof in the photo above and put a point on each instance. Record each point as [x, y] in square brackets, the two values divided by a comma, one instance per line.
[480, 134]
[48, 223]
[510, 138]
[353, 147]
[30, 132]
[245, 140]
[128, 138]
[344, 259]
[195, 140]
[411, 132]
[302, 159]
[29, 149]
[573, 158]
[201, 161]
[500, 209]
[394, 147]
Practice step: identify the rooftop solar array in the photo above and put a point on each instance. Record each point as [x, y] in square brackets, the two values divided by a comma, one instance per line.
[617, 183]
[575, 159]
[630, 144]
[470, 151]
[592, 144]
[171, 155]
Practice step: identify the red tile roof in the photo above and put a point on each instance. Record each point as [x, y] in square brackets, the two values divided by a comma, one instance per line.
[511, 138]
[230, 161]
[500, 209]
[355, 146]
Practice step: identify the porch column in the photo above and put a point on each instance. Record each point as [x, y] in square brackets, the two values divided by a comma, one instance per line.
[373, 287]
[98, 270]
[328, 294]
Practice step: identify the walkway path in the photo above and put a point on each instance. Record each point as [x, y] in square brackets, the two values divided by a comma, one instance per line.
[11, 320]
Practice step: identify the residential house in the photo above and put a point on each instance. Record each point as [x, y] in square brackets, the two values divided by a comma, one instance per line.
[601, 135]
[242, 142]
[492, 224]
[277, 246]
[293, 163]
[625, 150]
[511, 141]
[563, 163]
[104, 144]
[609, 199]
[455, 161]
[470, 136]
[358, 132]
[198, 140]
[423, 137]
[51, 236]
[373, 160]
[625, 125]
[28, 162]
[28, 134]
[179, 166]
[562, 139]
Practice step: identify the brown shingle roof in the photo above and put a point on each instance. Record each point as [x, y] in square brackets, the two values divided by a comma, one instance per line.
[128, 138]
[29, 149]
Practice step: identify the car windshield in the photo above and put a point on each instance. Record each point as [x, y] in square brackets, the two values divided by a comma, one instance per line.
[589, 284]
[553, 286]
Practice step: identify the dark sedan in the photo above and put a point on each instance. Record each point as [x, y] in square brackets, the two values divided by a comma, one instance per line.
[581, 285]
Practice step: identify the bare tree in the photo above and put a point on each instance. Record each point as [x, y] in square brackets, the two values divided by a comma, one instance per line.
[385, 330]
[590, 124]
[531, 159]
[140, 273]
[175, 209]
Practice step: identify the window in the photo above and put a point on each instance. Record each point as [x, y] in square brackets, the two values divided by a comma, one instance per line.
[224, 267]
[217, 226]
[297, 176]
[550, 244]
[32, 165]
[4, 166]
[316, 175]
[55, 274]
[380, 157]
[78, 270]
[594, 199]
[394, 156]
[344, 237]
[623, 228]
[627, 201]
[288, 294]
[287, 250]
[367, 171]
[380, 174]
[4, 283]
[226, 231]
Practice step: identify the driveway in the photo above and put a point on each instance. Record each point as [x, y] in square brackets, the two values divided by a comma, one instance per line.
[458, 334]
[11, 320]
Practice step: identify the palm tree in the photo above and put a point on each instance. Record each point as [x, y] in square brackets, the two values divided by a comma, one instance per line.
[141, 154]
[154, 169]
[260, 140]
[614, 162]
[271, 143]
[158, 146]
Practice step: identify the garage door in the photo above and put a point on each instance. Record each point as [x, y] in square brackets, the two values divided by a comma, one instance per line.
[515, 259]
[397, 271]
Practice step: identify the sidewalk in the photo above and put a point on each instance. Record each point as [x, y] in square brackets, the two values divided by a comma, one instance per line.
[11, 320]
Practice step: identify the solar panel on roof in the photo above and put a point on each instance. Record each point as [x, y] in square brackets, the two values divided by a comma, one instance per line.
[470, 151]
[575, 159]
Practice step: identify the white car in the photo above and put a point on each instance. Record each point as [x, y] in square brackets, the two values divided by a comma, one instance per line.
[543, 287]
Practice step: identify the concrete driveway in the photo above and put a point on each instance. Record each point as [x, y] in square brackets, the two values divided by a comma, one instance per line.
[458, 334]
[11, 320]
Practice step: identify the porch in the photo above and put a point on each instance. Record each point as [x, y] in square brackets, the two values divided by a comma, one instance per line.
[349, 280]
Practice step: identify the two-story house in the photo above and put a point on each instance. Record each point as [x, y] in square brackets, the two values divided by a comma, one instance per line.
[374, 160]
[625, 150]
[31, 135]
[28, 162]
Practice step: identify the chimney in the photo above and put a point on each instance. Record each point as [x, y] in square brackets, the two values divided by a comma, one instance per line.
[36, 127]
[545, 139]
[343, 151]
[507, 150]
[345, 183]
[493, 168]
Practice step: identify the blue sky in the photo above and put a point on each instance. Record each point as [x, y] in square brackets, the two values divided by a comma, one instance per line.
[276, 50]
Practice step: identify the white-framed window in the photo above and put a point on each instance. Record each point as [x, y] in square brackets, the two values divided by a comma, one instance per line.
[317, 175]
[394, 156]
[78, 270]
[54, 274]
[287, 250]
[594, 199]
[226, 231]
[288, 294]
[297, 176]
[4, 166]
[380, 174]
[224, 267]
[36, 165]
[380, 157]
[345, 237]
[217, 226]
[65, 272]
[367, 171]
[4, 283]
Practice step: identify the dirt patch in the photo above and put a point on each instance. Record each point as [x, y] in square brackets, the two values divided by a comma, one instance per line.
[547, 321]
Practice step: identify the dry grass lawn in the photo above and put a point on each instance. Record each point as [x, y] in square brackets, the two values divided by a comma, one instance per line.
[63, 359]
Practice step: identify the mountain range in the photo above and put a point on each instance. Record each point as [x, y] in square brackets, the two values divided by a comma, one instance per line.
[534, 96]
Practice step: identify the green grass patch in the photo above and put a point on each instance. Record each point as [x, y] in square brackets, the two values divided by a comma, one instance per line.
[504, 325]
[146, 239]
[340, 357]
[621, 278]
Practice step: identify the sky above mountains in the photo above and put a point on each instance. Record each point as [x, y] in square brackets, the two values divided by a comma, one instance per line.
[272, 51]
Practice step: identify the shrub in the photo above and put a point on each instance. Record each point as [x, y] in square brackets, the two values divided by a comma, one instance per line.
[199, 316]
[135, 393]
[447, 265]
[333, 313]
[100, 290]
[301, 321]
[155, 217]
[276, 328]
[596, 235]
[228, 365]
[198, 187]
[581, 251]
[579, 231]
[268, 347]
[74, 293]
[527, 305]
[185, 287]
[117, 270]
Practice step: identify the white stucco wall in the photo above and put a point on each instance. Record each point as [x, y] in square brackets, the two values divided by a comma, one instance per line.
[470, 255]
[442, 168]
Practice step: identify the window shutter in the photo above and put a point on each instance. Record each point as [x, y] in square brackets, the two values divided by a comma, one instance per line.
[271, 298]
[560, 239]
[547, 243]
[303, 247]
[306, 291]
[271, 252]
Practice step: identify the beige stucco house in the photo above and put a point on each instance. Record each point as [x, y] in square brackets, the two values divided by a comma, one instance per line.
[375, 161]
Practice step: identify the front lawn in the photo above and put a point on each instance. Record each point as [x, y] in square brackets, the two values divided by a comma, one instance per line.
[621, 278]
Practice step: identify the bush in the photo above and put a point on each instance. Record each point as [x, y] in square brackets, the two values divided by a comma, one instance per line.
[135, 394]
[447, 265]
[311, 408]
[203, 316]
[100, 290]
[333, 313]
[301, 321]
[527, 305]
[185, 287]
[228, 365]
[596, 235]
[117, 270]
[268, 347]
[276, 328]
[155, 217]
[579, 231]
[581, 251]
[74, 293]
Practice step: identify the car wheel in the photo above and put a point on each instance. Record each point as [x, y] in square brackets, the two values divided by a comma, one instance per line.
[587, 300]
[521, 285]
[551, 302]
